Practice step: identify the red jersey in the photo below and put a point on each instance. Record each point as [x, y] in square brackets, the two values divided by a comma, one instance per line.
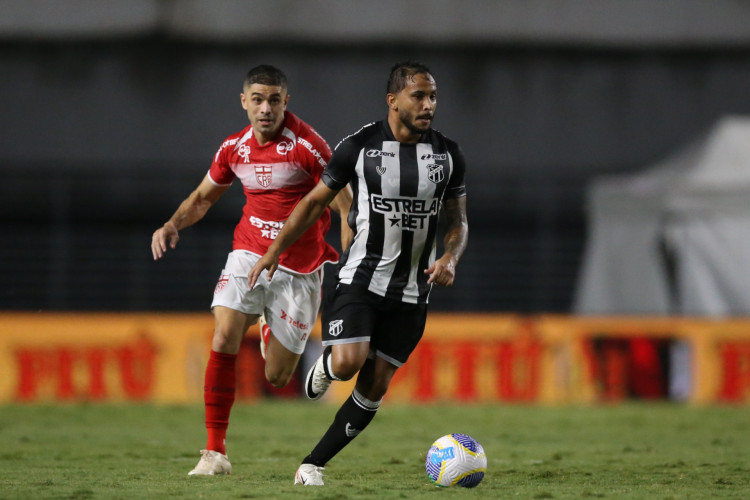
[275, 177]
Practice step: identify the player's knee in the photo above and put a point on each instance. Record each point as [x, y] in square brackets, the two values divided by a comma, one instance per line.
[378, 389]
[223, 341]
[278, 378]
[345, 367]
[278, 381]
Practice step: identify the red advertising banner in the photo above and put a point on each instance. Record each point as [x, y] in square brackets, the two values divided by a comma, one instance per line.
[48, 357]
[102, 357]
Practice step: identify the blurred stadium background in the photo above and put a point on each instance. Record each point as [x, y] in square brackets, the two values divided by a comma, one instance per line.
[112, 110]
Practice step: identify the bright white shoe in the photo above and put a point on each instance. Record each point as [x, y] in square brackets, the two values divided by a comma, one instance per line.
[211, 463]
[265, 333]
[317, 382]
[309, 475]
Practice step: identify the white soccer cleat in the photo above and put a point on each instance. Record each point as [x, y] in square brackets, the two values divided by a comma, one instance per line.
[211, 463]
[309, 475]
[265, 333]
[317, 382]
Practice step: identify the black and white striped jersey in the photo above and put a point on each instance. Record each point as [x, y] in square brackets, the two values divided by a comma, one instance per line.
[398, 189]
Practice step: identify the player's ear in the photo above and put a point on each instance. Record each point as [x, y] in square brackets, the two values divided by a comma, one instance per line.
[243, 101]
[390, 99]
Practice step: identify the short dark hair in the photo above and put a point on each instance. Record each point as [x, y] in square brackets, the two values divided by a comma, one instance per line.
[265, 74]
[401, 72]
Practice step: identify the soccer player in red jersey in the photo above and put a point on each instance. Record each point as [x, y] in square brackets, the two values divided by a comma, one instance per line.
[278, 158]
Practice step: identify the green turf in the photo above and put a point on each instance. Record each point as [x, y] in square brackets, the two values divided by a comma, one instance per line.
[636, 451]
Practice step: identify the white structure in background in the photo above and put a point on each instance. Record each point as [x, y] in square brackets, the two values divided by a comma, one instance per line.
[674, 239]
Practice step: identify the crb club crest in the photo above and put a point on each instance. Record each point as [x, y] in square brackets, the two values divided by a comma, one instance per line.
[380, 169]
[335, 327]
[435, 173]
[263, 174]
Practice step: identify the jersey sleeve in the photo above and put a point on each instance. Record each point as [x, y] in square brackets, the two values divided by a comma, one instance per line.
[316, 151]
[221, 172]
[456, 187]
[340, 169]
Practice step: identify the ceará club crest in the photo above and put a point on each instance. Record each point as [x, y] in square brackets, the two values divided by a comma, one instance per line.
[435, 173]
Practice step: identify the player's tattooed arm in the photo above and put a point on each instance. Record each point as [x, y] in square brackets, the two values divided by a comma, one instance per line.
[443, 271]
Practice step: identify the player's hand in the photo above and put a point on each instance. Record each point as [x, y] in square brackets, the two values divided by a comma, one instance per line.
[268, 262]
[442, 272]
[167, 235]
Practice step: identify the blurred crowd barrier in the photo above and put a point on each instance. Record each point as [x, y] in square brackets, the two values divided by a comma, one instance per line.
[483, 358]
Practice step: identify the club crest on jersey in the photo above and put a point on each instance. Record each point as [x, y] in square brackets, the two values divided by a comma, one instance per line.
[244, 152]
[335, 327]
[283, 147]
[435, 173]
[263, 174]
[380, 169]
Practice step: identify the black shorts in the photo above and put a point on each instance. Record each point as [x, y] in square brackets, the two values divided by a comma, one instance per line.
[393, 328]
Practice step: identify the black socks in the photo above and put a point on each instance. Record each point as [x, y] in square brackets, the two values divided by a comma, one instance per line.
[352, 418]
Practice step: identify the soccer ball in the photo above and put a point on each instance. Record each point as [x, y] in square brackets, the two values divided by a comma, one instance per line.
[456, 460]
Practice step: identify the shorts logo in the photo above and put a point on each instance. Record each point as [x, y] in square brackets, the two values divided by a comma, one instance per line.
[335, 327]
[295, 323]
[223, 279]
[283, 147]
[244, 152]
[264, 174]
[435, 173]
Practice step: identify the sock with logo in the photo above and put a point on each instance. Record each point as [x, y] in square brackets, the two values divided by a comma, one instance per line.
[218, 397]
[351, 419]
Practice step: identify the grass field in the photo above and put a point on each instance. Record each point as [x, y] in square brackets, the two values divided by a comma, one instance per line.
[636, 451]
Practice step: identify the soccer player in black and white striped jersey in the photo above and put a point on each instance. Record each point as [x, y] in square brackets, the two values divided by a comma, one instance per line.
[402, 172]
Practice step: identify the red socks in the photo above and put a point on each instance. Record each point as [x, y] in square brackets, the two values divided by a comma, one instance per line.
[218, 396]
